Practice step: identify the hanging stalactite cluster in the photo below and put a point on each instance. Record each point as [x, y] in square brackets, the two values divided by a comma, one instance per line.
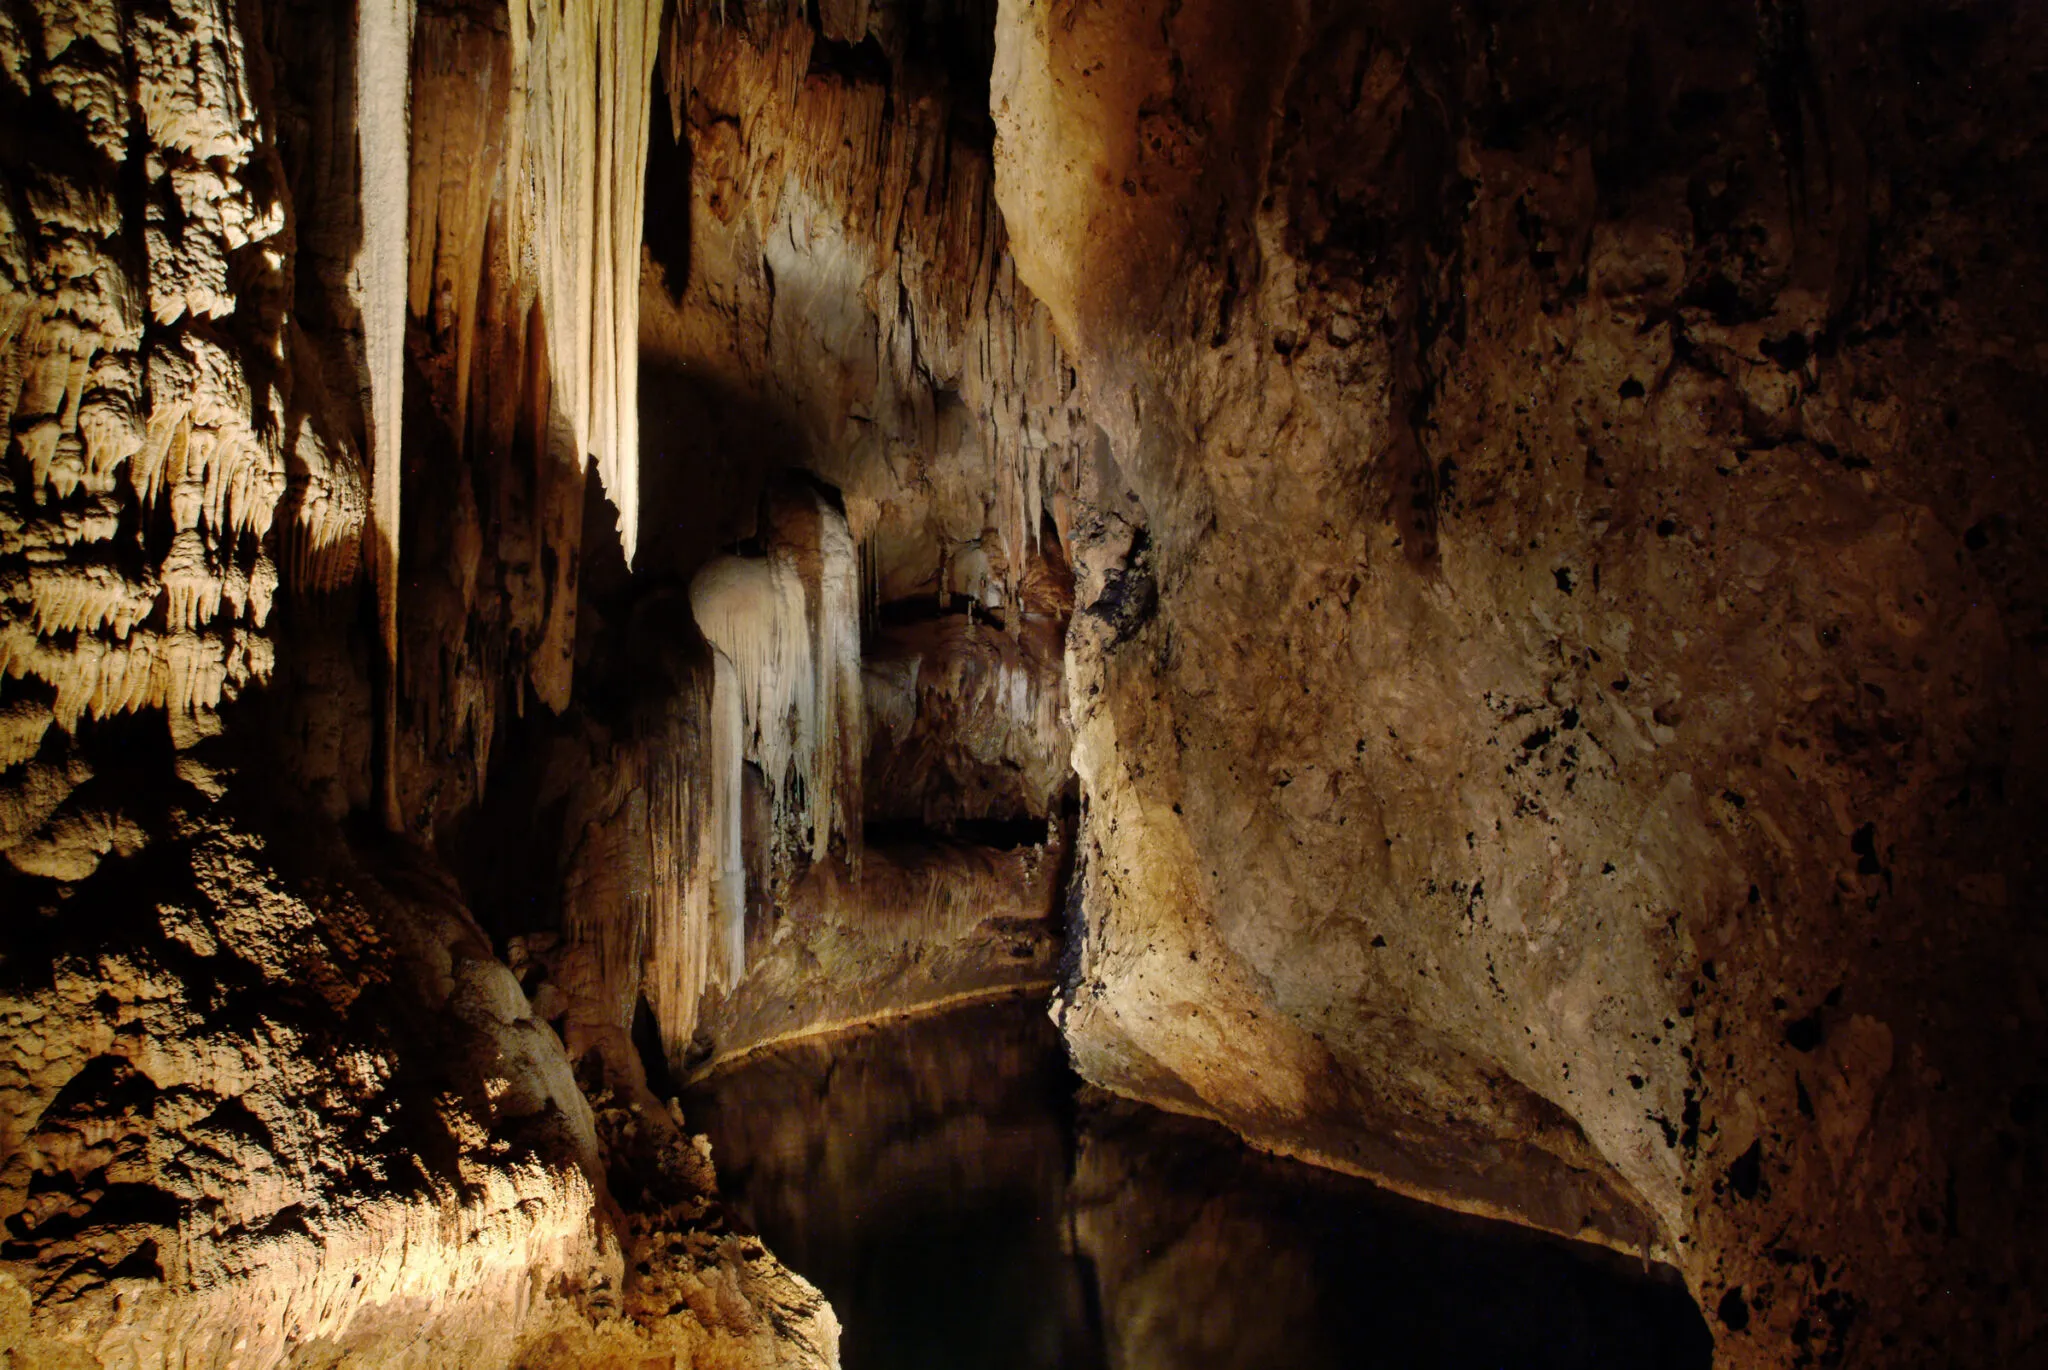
[786, 697]
[151, 435]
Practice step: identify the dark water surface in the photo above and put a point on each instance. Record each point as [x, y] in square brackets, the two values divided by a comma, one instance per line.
[966, 1205]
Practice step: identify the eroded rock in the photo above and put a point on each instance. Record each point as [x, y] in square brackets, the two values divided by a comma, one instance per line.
[1573, 646]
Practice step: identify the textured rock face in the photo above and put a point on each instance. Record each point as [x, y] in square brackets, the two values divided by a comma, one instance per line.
[153, 438]
[266, 1097]
[266, 1101]
[1547, 498]
[391, 317]
[1553, 721]
[836, 293]
[859, 440]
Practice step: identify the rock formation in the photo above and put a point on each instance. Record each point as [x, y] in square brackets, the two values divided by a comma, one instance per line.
[147, 431]
[300, 1110]
[268, 1094]
[1557, 741]
[1458, 579]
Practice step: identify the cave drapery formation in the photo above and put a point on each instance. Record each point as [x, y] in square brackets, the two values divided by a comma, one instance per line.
[1454, 583]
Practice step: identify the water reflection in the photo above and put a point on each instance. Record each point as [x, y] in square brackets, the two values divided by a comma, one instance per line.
[940, 1181]
[918, 1176]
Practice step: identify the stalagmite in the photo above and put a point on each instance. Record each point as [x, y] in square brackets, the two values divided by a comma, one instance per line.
[586, 70]
[383, 70]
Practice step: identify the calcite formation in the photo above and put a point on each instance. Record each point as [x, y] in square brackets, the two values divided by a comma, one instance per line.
[847, 267]
[583, 71]
[383, 71]
[888, 651]
[1461, 579]
[141, 399]
[265, 1099]
[285, 1118]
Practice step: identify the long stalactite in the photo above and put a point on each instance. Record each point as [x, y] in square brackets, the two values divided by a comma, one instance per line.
[384, 140]
[786, 697]
[583, 74]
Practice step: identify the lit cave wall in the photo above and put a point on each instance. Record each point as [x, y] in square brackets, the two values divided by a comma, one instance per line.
[1454, 587]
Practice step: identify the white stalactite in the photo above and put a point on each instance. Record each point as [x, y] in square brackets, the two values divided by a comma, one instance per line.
[786, 695]
[752, 612]
[674, 960]
[834, 788]
[585, 69]
[728, 961]
[384, 142]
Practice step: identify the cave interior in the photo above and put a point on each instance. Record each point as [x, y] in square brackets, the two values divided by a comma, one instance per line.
[1012, 682]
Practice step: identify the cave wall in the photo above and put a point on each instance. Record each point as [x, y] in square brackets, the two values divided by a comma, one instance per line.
[1562, 742]
[268, 1094]
[1541, 499]
[155, 439]
[268, 1100]
[839, 294]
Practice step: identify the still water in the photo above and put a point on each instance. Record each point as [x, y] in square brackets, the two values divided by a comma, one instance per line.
[967, 1205]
